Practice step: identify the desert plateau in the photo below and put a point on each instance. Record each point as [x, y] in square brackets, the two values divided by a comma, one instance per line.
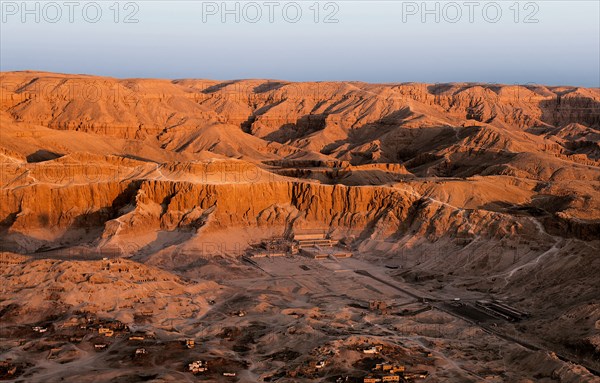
[197, 230]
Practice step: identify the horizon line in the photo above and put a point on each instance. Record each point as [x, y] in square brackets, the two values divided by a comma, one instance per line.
[172, 79]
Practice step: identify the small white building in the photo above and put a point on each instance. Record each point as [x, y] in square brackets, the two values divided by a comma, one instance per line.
[372, 350]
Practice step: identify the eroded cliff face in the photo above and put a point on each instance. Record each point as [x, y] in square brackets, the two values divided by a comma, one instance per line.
[126, 208]
[277, 203]
[141, 206]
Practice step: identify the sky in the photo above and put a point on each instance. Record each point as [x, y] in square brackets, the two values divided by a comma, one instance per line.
[512, 42]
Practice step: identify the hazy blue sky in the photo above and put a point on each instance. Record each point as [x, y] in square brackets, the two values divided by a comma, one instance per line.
[375, 41]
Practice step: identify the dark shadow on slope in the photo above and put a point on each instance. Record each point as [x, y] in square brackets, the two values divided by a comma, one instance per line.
[328, 149]
[436, 89]
[268, 86]
[43, 155]
[218, 87]
[163, 240]
[304, 126]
